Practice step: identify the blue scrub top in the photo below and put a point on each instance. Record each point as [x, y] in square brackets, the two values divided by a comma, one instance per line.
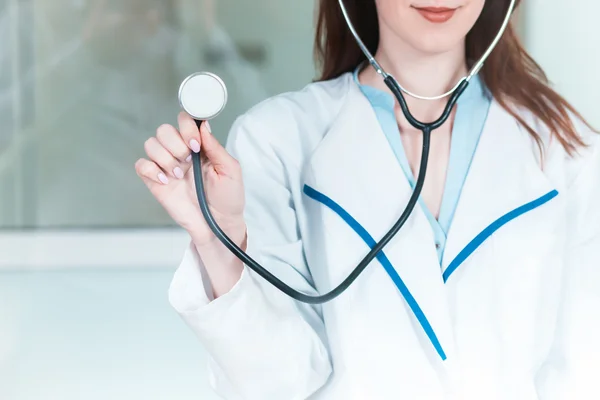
[471, 113]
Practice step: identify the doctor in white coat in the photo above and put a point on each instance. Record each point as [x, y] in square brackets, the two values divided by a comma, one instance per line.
[492, 288]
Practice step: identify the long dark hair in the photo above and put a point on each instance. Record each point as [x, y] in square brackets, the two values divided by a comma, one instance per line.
[510, 74]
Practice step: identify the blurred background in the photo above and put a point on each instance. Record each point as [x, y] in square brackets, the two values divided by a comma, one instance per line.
[86, 255]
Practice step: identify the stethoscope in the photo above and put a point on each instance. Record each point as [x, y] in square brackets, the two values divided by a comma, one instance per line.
[203, 96]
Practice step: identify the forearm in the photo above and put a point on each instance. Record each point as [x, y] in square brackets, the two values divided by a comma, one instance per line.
[223, 268]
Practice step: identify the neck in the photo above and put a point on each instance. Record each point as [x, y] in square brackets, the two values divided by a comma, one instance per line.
[420, 73]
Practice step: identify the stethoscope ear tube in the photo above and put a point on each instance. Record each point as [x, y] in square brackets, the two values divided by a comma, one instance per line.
[474, 70]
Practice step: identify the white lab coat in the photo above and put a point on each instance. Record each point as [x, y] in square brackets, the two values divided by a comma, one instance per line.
[513, 312]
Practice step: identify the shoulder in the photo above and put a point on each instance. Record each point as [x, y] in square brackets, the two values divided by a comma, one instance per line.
[556, 161]
[292, 123]
[575, 175]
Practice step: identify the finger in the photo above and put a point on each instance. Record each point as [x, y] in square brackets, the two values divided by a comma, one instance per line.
[171, 140]
[165, 160]
[149, 171]
[214, 151]
[189, 131]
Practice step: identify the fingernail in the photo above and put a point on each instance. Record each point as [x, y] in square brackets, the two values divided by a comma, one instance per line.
[208, 127]
[195, 145]
[178, 173]
[189, 158]
[163, 178]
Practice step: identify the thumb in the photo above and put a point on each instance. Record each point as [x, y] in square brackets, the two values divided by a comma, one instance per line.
[214, 151]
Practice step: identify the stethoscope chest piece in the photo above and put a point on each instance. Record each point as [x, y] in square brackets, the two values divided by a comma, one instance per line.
[203, 95]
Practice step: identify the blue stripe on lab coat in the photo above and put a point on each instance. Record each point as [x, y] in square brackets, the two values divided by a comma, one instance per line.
[384, 261]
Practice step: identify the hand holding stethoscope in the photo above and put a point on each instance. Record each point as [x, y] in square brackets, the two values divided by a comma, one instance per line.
[169, 175]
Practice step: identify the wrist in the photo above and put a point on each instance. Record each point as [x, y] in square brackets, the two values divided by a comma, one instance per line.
[224, 269]
[234, 229]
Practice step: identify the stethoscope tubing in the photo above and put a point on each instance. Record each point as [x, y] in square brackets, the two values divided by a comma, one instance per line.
[358, 270]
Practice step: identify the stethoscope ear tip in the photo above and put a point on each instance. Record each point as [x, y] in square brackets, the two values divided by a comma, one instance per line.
[203, 95]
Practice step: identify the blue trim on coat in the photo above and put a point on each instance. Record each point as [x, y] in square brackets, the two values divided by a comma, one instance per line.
[383, 260]
[493, 227]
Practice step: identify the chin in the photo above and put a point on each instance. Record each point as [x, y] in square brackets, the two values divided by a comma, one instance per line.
[436, 43]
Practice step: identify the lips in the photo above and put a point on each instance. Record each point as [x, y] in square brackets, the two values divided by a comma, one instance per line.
[437, 15]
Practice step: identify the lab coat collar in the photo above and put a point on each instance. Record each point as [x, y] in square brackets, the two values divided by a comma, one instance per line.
[504, 183]
[354, 173]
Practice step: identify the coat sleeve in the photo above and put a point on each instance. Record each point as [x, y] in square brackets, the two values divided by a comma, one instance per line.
[262, 345]
[575, 371]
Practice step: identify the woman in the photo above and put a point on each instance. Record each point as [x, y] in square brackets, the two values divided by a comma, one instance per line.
[490, 291]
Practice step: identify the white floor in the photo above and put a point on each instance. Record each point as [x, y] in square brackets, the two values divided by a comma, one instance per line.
[96, 334]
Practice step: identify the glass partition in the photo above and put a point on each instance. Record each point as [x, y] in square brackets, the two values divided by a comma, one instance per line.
[83, 83]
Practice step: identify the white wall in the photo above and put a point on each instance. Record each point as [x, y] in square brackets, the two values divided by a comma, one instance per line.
[564, 37]
[96, 334]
